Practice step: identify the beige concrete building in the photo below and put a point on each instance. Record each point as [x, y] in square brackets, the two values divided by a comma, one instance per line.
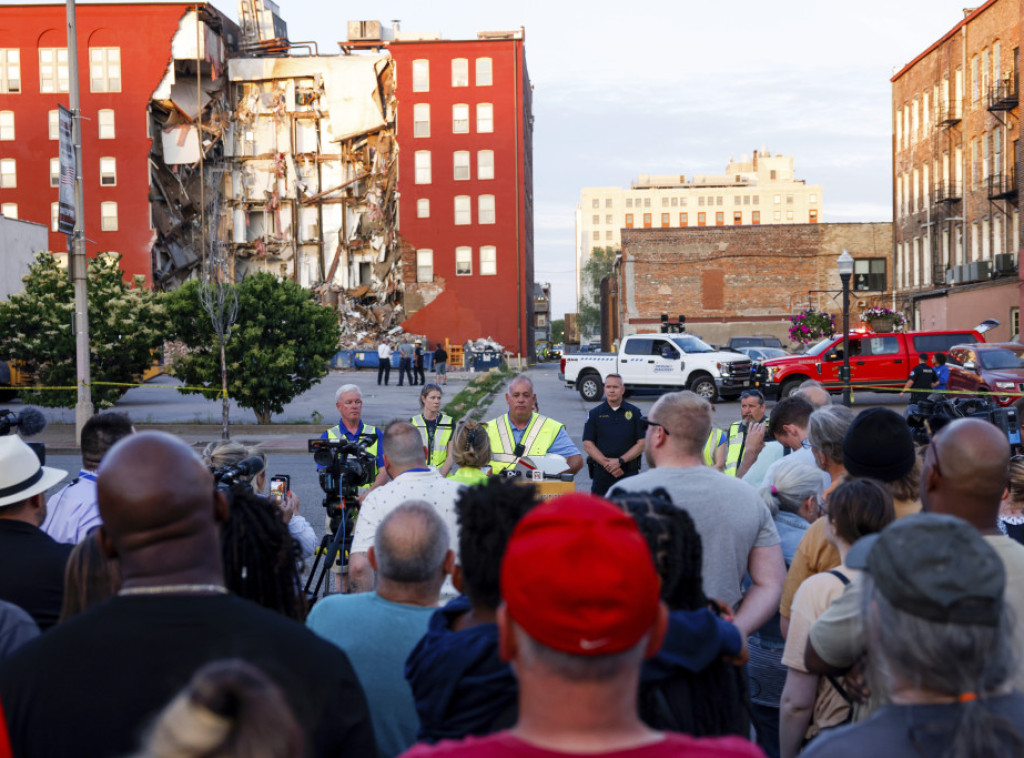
[757, 190]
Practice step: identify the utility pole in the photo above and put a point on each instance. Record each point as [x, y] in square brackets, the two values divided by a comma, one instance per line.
[76, 241]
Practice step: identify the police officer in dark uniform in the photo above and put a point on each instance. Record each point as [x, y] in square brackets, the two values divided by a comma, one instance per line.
[613, 438]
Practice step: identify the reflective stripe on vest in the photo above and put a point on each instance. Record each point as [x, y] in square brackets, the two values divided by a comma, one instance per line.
[335, 433]
[737, 437]
[714, 440]
[442, 435]
[537, 439]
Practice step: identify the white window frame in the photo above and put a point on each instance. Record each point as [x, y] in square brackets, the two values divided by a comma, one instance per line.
[461, 171]
[485, 209]
[423, 207]
[9, 210]
[463, 206]
[108, 171]
[53, 71]
[484, 72]
[460, 72]
[421, 75]
[7, 126]
[106, 124]
[10, 63]
[488, 260]
[108, 216]
[53, 125]
[484, 164]
[460, 118]
[104, 69]
[485, 118]
[8, 173]
[421, 120]
[54, 217]
[425, 266]
[422, 162]
[463, 261]
[54, 172]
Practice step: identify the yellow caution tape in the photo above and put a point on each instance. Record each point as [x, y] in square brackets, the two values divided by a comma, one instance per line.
[39, 388]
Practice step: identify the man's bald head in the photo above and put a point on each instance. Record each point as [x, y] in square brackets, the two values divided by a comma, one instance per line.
[153, 488]
[965, 471]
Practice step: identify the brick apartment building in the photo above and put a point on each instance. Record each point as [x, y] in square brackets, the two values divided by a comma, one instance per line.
[956, 157]
[124, 50]
[465, 131]
[735, 280]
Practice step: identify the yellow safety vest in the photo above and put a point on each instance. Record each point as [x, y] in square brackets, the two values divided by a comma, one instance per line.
[537, 439]
[737, 437]
[437, 447]
[335, 433]
[714, 440]
[469, 475]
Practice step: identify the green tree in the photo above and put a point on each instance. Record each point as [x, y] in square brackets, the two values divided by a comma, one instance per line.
[279, 347]
[126, 326]
[558, 330]
[599, 265]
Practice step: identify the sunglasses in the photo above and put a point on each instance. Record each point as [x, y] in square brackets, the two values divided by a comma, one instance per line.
[648, 423]
[752, 393]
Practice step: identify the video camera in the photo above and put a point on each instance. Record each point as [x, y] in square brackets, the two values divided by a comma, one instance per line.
[345, 466]
[928, 416]
[239, 474]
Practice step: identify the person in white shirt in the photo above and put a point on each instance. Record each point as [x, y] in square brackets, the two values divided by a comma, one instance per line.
[72, 512]
[384, 366]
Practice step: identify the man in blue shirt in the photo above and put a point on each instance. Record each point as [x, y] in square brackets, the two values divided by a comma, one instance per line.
[941, 370]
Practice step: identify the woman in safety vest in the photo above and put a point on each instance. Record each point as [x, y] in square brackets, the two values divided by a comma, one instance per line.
[471, 451]
[435, 427]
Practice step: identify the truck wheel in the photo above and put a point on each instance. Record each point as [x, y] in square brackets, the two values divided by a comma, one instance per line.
[789, 388]
[705, 387]
[590, 388]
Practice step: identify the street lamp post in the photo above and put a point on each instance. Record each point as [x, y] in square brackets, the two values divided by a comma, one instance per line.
[845, 266]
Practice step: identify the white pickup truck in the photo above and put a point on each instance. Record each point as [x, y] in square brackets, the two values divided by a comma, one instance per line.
[666, 362]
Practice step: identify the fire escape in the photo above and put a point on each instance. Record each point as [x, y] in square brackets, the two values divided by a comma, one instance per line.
[947, 195]
[1002, 100]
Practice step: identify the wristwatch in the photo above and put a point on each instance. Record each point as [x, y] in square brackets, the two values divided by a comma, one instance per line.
[622, 462]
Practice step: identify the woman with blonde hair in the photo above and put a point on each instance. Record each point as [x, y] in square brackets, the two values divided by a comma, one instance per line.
[1011, 509]
[471, 452]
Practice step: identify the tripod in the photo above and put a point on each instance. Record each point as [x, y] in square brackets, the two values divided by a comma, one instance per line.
[337, 540]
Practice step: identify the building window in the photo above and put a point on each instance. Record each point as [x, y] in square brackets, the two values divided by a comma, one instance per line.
[772, 175]
[488, 260]
[424, 265]
[718, 200]
[423, 208]
[675, 202]
[595, 219]
[460, 118]
[702, 219]
[54, 172]
[10, 210]
[737, 218]
[812, 198]
[629, 220]
[778, 199]
[789, 215]
[53, 125]
[484, 164]
[869, 275]
[108, 217]
[463, 210]
[595, 203]
[777, 216]
[737, 200]
[608, 218]
[608, 235]
[682, 219]
[485, 209]
[746, 199]
[664, 219]
[54, 217]
[10, 70]
[813, 216]
[719, 218]
[108, 172]
[106, 124]
[484, 118]
[53, 69]
[1015, 322]
[596, 236]
[460, 72]
[682, 201]
[700, 201]
[789, 199]
[6, 125]
[629, 202]
[484, 72]
[421, 120]
[463, 261]
[461, 165]
[421, 75]
[757, 199]
[422, 167]
[647, 221]
[664, 202]
[607, 202]
[755, 217]
[105, 69]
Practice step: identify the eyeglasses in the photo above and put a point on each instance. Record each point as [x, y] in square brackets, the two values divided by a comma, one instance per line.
[752, 393]
[935, 456]
[648, 423]
[822, 507]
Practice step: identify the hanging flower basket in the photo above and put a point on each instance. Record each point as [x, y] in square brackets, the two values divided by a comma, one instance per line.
[883, 320]
[809, 326]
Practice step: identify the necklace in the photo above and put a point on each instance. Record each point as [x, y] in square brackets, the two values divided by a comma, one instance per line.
[174, 589]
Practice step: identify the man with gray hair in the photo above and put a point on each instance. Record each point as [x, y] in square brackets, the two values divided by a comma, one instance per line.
[349, 402]
[411, 479]
[734, 523]
[378, 630]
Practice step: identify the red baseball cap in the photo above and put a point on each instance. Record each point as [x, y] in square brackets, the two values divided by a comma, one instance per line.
[578, 577]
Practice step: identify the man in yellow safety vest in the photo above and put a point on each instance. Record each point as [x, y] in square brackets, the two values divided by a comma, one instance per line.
[752, 412]
[522, 432]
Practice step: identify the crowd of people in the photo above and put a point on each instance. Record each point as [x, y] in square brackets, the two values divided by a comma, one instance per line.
[805, 582]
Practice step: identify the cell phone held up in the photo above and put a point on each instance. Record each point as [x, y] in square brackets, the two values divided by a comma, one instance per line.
[279, 486]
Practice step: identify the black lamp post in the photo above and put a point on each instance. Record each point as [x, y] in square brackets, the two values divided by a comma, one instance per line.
[845, 265]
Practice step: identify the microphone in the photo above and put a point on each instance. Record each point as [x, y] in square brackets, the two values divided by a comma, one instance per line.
[30, 421]
[242, 471]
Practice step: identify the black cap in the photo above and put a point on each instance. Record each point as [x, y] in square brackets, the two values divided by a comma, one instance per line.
[936, 567]
[878, 445]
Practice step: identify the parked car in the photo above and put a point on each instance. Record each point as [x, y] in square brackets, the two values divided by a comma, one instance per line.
[761, 353]
[877, 361]
[758, 341]
[996, 367]
[660, 362]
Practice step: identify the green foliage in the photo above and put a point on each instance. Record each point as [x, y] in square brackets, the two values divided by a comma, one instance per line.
[810, 325]
[279, 346]
[600, 265]
[126, 326]
[558, 330]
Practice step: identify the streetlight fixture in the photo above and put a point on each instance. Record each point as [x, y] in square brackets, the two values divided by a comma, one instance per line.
[845, 266]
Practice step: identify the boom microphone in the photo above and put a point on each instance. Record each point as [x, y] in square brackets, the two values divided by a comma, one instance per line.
[30, 421]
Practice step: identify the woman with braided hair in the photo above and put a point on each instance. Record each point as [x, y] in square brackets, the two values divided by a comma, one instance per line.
[471, 451]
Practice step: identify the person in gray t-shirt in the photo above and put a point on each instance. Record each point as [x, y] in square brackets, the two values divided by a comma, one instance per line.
[734, 524]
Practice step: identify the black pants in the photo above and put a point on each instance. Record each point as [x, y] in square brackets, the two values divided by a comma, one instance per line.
[601, 481]
[418, 375]
[405, 369]
[384, 369]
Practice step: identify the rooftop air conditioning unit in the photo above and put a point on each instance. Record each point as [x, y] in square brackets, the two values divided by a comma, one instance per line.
[1006, 263]
[979, 270]
[364, 31]
[950, 276]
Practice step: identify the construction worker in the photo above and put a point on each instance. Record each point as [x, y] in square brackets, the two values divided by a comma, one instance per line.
[752, 411]
[435, 428]
[522, 432]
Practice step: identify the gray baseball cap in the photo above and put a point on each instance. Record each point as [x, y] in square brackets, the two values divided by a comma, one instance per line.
[935, 567]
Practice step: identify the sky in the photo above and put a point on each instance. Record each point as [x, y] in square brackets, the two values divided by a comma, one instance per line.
[655, 87]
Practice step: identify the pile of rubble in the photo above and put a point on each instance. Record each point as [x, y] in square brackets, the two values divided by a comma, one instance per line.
[483, 345]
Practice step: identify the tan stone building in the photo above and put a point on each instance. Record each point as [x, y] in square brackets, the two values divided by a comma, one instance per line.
[758, 190]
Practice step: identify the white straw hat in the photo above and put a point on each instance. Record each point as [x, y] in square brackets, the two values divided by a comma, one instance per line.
[21, 476]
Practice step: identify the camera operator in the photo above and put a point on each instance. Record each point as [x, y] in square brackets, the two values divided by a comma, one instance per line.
[349, 401]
